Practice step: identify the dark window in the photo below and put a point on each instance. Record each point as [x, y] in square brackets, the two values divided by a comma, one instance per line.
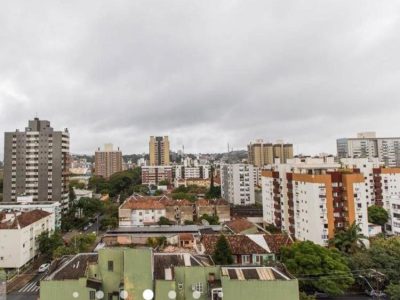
[92, 295]
[110, 266]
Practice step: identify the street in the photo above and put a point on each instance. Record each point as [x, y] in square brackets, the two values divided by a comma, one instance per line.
[29, 291]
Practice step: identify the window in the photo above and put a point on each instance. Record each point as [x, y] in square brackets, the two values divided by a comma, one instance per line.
[198, 287]
[258, 259]
[92, 295]
[245, 259]
[110, 266]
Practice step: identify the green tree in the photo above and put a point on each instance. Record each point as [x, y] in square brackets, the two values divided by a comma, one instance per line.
[72, 196]
[63, 250]
[318, 268]
[383, 255]
[158, 193]
[349, 240]
[108, 223]
[393, 290]
[49, 242]
[304, 296]
[212, 220]
[164, 221]
[97, 184]
[377, 215]
[187, 196]
[222, 254]
[76, 184]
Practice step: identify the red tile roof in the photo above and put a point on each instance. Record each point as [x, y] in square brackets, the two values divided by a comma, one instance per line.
[147, 203]
[186, 237]
[240, 244]
[276, 241]
[239, 225]
[24, 219]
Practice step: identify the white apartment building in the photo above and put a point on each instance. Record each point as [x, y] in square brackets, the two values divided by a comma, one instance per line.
[50, 207]
[382, 187]
[189, 172]
[310, 198]
[237, 183]
[367, 145]
[18, 236]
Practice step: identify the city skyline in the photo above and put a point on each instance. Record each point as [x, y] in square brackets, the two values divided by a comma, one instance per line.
[209, 73]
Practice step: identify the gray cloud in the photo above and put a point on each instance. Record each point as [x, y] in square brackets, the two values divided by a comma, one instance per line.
[207, 73]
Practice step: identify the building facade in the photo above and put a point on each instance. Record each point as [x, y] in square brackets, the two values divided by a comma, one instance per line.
[153, 175]
[192, 172]
[367, 145]
[18, 236]
[142, 274]
[237, 183]
[312, 198]
[36, 163]
[147, 210]
[108, 161]
[159, 151]
[50, 207]
[261, 153]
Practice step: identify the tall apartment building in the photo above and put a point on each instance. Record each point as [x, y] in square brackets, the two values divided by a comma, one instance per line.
[159, 151]
[367, 145]
[261, 153]
[237, 183]
[382, 187]
[312, 198]
[36, 163]
[108, 162]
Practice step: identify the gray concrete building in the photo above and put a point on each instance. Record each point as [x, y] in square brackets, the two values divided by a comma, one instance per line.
[36, 163]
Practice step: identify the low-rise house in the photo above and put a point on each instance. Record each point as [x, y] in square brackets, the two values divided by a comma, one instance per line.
[140, 210]
[249, 249]
[241, 226]
[49, 206]
[141, 274]
[186, 240]
[18, 236]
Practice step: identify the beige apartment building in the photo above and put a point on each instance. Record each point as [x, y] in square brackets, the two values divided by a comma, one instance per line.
[261, 153]
[108, 161]
[159, 151]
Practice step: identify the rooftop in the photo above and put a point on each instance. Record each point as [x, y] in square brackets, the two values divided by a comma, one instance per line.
[164, 263]
[165, 229]
[239, 225]
[20, 220]
[258, 273]
[74, 267]
[240, 244]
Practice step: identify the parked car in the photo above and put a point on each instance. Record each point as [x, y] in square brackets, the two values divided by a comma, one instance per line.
[44, 268]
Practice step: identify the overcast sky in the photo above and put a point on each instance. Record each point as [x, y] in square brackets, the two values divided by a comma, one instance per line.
[206, 73]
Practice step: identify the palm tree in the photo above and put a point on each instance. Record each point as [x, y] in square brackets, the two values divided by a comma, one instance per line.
[349, 240]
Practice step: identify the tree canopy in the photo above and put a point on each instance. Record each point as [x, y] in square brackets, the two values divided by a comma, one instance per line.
[377, 215]
[317, 268]
[349, 240]
[222, 254]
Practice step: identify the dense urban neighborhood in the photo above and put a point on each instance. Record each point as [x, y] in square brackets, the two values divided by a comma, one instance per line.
[266, 224]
